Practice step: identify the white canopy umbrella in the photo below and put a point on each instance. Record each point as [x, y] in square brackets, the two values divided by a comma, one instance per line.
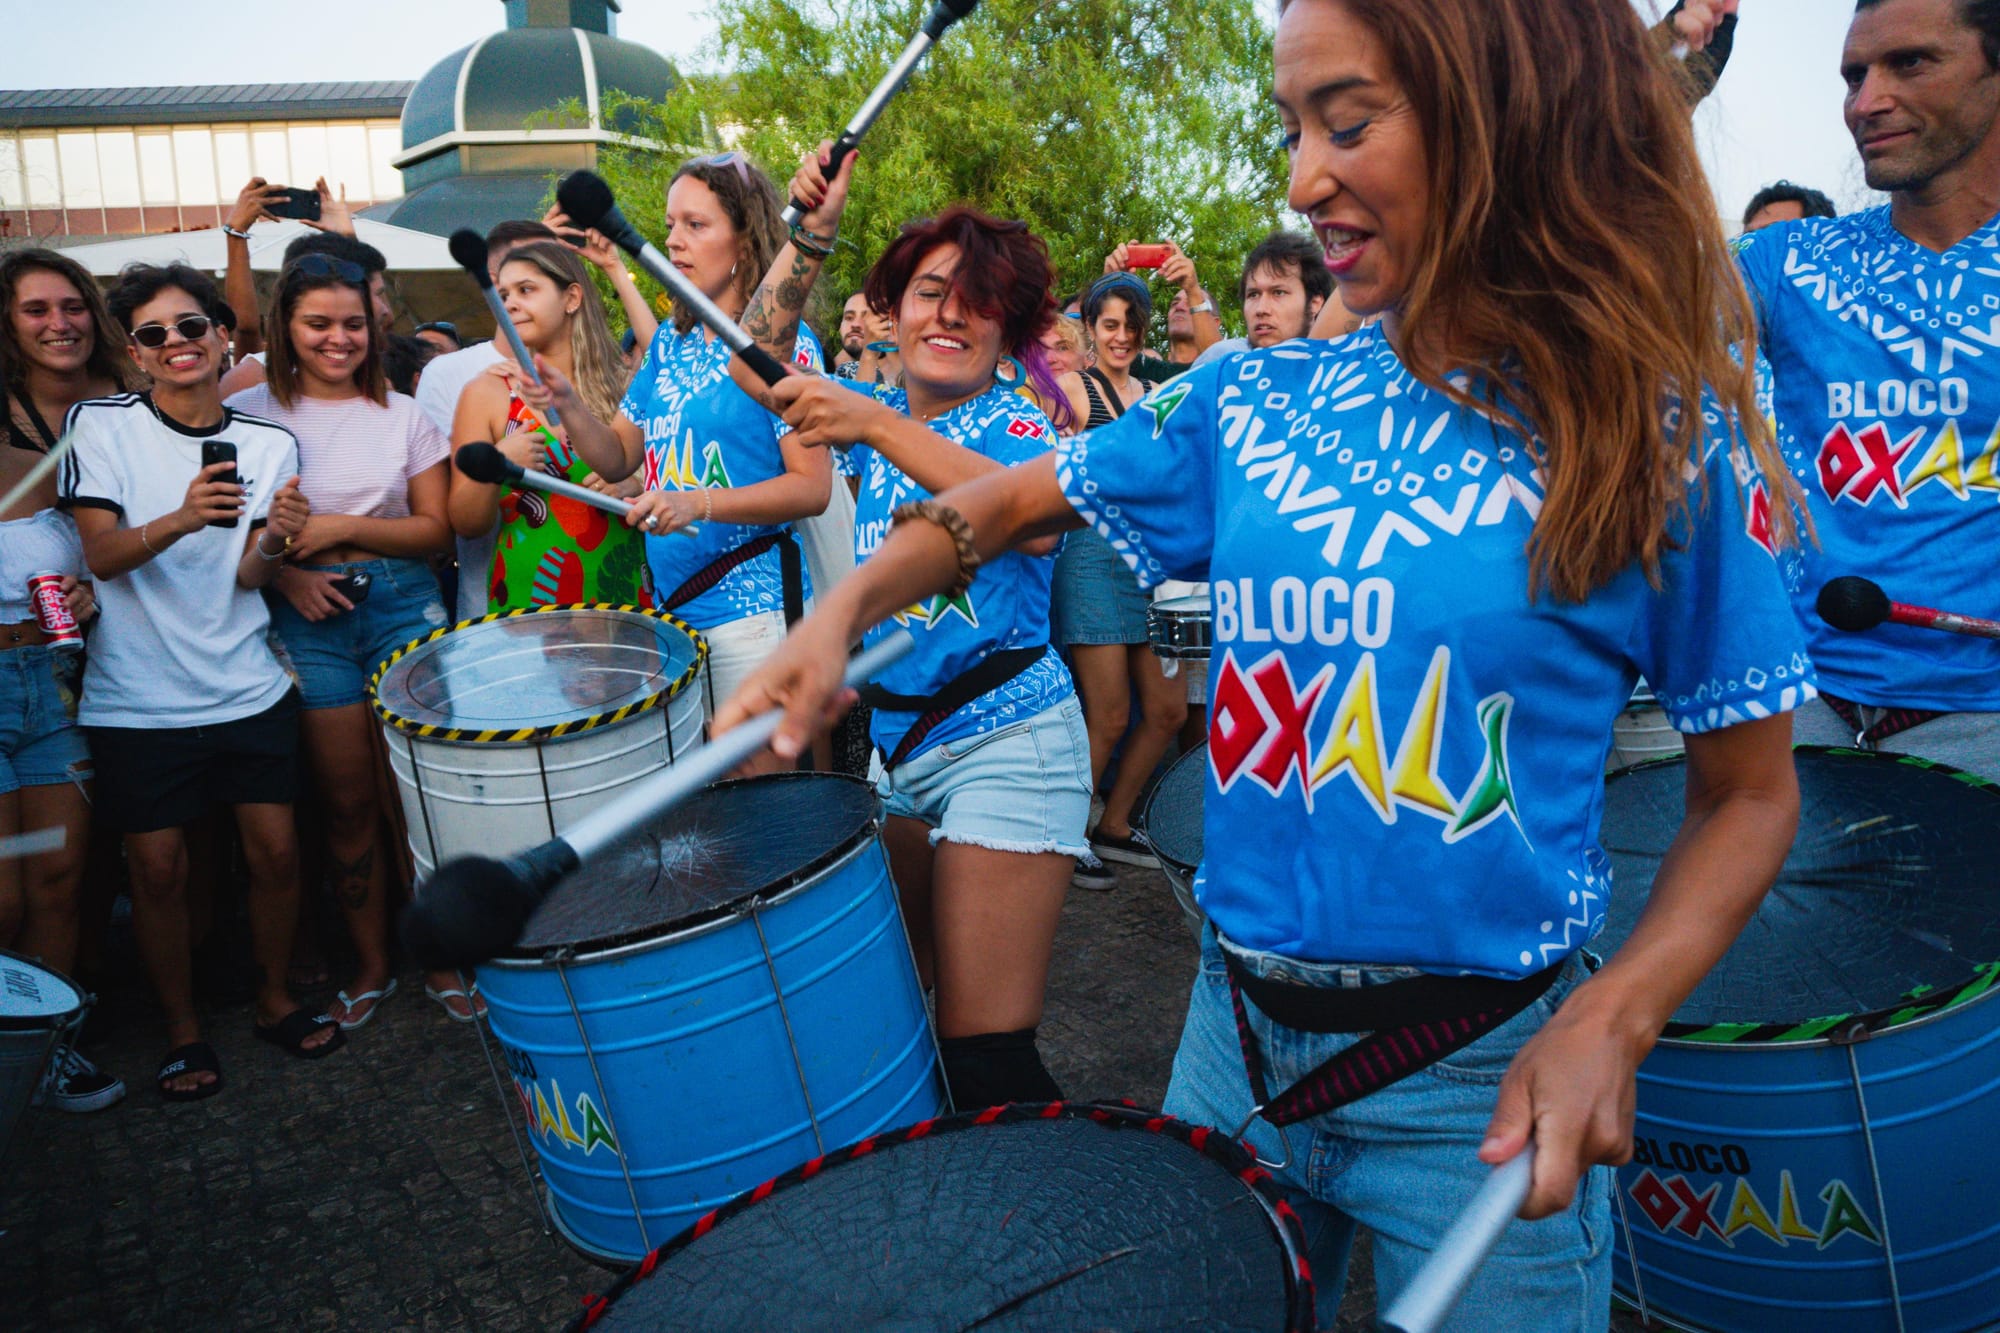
[427, 281]
[406, 250]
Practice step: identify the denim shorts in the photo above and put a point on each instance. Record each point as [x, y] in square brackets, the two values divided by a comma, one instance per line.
[1095, 598]
[334, 658]
[1401, 1161]
[40, 745]
[1024, 787]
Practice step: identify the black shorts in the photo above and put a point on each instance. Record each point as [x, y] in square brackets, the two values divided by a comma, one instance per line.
[152, 778]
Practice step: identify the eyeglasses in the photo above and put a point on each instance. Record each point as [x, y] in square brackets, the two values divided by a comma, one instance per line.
[191, 327]
[737, 160]
[326, 266]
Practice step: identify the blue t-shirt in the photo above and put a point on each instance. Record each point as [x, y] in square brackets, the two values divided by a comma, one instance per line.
[1008, 603]
[1885, 362]
[703, 431]
[1406, 756]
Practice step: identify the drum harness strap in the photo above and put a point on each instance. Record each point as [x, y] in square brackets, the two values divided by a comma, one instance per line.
[789, 563]
[1411, 1024]
[988, 673]
[1891, 721]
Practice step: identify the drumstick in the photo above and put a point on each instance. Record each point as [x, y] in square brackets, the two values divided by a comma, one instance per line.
[1858, 604]
[587, 201]
[1435, 1289]
[943, 14]
[484, 463]
[473, 907]
[33, 844]
[468, 247]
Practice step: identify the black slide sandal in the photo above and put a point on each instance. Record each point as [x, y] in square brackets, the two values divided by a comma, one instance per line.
[197, 1057]
[291, 1031]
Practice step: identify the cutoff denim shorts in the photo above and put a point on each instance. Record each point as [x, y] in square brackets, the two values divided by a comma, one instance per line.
[1402, 1161]
[334, 658]
[40, 744]
[1024, 787]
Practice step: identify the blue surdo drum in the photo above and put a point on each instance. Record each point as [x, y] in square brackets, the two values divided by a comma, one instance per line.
[729, 997]
[1812, 1129]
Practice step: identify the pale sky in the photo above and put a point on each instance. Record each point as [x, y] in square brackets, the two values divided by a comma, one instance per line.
[1776, 114]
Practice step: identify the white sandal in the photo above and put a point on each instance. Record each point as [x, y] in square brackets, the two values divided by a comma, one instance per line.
[475, 1006]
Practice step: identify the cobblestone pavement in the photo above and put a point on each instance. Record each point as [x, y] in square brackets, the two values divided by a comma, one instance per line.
[380, 1188]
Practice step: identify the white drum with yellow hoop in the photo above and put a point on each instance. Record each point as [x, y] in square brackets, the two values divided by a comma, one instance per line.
[1643, 732]
[502, 731]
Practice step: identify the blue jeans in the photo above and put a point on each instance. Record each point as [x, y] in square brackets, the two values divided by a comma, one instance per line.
[334, 658]
[1401, 1162]
[40, 745]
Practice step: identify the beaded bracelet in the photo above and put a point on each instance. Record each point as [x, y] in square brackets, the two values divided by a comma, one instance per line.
[955, 526]
[806, 243]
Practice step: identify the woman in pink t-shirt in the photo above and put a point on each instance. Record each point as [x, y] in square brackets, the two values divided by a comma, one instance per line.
[356, 586]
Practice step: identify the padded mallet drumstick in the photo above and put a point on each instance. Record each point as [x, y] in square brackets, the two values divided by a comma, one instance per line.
[1857, 604]
[587, 201]
[468, 247]
[1437, 1286]
[943, 14]
[474, 907]
[484, 463]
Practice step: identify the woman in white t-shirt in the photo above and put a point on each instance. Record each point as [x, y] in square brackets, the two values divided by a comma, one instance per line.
[356, 586]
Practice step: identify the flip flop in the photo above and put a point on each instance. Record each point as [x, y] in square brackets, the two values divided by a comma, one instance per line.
[291, 1031]
[372, 998]
[197, 1057]
[475, 1006]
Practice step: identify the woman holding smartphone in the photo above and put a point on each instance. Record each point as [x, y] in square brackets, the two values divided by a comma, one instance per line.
[549, 549]
[355, 586]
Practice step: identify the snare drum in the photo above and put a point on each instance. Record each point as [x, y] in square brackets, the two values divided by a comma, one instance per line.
[1811, 1131]
[38, 1007]
[728, 997]
[1178, 628]
[1028, 1217]
[503, 730]
[1171, 821]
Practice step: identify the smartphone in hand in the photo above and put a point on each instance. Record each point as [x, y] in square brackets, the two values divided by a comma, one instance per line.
[221, 451]
[300, 204]
[1146, 256]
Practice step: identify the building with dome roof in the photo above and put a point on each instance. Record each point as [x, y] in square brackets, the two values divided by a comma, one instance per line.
[480, 140]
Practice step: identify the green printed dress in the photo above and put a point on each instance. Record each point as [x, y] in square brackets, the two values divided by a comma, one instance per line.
[553, 550]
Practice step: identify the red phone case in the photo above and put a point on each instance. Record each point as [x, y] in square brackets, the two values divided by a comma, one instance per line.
[1146, 256]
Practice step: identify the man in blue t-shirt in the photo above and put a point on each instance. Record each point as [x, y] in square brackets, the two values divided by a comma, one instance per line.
[1882, 331]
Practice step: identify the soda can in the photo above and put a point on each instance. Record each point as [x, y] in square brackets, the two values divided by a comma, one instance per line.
[52, 612]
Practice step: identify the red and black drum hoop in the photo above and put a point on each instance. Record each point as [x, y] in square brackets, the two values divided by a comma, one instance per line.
[1235, 1158]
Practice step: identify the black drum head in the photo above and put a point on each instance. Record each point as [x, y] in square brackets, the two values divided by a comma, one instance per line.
[735, 839]
[1890, 889]
[1171, 820]
[1077, 1219]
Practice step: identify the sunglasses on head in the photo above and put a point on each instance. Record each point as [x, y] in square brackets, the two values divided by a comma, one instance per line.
[737, 160]
[326, 266]
[191, 327]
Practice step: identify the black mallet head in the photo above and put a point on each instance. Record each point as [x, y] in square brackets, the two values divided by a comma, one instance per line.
[588, 202]
[484, 463]
[468, 247]
[1853, 604]
[945, 13]
[475, 907]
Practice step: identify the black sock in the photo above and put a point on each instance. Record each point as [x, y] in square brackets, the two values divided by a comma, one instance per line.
[996, 1067]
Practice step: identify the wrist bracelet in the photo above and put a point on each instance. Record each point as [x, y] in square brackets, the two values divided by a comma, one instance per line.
[142, 538]
[800, 229]
[261, 555]
[228, 230]
[955, 526]
[707, 504]
[807, 244]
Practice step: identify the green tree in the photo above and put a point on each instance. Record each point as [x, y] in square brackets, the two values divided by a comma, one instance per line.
[1094, 121]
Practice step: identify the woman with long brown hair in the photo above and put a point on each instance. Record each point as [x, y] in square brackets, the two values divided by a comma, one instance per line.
[549, 549]
[1441, 551]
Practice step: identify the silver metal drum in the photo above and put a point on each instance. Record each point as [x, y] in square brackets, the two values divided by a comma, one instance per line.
[1178, 627]
[504, 730]
[1171, 822]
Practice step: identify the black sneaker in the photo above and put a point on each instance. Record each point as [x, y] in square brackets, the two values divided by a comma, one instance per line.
[1092, 873]
[73, 1083]
[1131, 850]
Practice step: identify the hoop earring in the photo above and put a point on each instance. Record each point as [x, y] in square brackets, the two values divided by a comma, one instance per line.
[1020, 371]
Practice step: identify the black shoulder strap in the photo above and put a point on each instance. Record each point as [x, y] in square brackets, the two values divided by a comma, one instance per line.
[1112, 402]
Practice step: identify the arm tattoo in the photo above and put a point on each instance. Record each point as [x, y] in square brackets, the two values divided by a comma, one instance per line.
[773, 315]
